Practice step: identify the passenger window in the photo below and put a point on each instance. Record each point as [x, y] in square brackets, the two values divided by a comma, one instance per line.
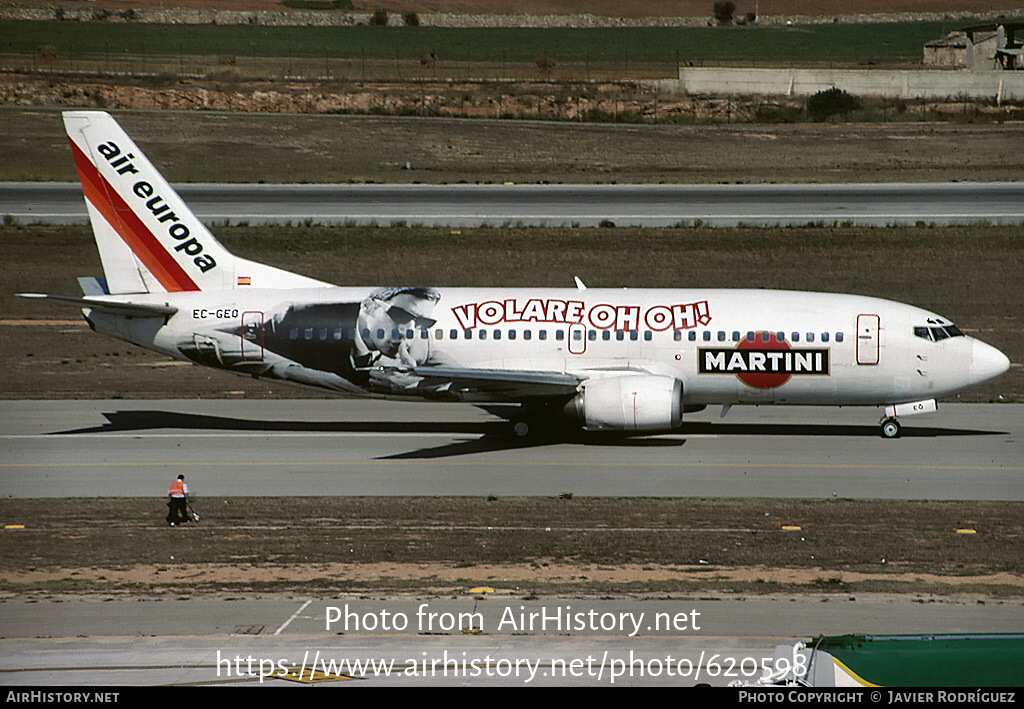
[780, 336]
[454, 334]
[352, 333]
[309, 333]
[839, 337]
[721, 335]
[707, 336]
[483, 334]
[294, 334]
[559, 334]
[736, 336]
[633, 334]
[527, 334]
[647, 335]
[337, 334]
[497, 334]
[542, 334]
[795, 337]
[577, 335]
[511, 334]
[468, 334]
[323, 333]
[592, 335]
[810, 337]
[439, 334]
[410, 334]
[750, 336]
[606, 335]
[824, 337]
[619, 335]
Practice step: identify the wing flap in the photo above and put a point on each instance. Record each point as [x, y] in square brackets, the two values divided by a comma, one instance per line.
[509, 384]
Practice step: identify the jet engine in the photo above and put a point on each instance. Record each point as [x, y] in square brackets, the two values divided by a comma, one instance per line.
[640, 402]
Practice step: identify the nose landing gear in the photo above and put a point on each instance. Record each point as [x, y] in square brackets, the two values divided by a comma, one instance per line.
[890, 428]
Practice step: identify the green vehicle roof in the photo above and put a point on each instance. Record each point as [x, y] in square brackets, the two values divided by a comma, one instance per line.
[949, 660]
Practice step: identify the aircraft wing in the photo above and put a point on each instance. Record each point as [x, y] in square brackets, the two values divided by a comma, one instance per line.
[508, 384]
[138, 310]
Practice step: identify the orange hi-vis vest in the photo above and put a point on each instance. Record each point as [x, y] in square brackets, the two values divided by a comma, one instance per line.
[177, 488]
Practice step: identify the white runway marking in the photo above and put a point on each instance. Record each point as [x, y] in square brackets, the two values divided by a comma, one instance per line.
[293, 616]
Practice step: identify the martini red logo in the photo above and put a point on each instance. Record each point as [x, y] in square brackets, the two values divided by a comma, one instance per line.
[764, 362]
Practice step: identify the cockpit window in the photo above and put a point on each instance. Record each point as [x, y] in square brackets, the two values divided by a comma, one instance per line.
[934, 333]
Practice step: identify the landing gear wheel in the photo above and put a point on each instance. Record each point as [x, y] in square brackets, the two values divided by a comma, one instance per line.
[890, 428]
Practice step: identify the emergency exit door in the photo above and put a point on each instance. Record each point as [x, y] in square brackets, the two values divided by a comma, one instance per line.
[867, 339]
[252, 336]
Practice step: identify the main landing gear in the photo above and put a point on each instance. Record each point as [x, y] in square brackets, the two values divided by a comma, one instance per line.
[890, 428]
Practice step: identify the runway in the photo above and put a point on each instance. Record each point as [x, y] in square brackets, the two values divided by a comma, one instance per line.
[559, 205]
[515, 642]
[343, 447]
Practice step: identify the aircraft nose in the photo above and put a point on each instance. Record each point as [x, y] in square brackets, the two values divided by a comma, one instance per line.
[987, 362]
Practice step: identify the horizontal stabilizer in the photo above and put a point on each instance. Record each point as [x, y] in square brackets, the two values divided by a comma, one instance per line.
[139, 310]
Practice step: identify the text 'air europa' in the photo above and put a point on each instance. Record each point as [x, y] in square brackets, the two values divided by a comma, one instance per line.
[681, 316]
[155, 203]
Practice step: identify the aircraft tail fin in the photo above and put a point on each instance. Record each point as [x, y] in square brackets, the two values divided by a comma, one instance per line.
[149, 240]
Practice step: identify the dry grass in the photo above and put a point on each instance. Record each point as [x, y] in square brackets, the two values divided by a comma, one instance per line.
[589, 545]
[971, 275]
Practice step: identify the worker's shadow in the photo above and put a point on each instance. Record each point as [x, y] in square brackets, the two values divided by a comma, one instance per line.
[493, 435]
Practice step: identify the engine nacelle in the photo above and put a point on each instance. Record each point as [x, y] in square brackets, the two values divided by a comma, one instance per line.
[639, 402]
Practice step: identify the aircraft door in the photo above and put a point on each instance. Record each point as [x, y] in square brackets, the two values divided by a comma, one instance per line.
[252, 336]
[867, 339]
[577, 339]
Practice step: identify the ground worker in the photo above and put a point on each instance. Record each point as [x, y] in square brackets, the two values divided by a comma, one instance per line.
[177, 512]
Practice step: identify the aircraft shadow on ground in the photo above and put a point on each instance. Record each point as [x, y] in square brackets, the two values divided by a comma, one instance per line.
[493, 435]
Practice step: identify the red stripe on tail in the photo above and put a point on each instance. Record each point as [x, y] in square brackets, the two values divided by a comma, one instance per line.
[130, 227]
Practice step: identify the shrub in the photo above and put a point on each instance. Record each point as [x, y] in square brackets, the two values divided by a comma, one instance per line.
[830, 102]
[723, 10]
[379, 18]
[411, 19]
[545, 64]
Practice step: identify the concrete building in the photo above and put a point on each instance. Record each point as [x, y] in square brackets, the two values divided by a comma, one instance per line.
[988, 47]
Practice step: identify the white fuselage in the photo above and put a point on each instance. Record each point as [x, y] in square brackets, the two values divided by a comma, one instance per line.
[794, 347]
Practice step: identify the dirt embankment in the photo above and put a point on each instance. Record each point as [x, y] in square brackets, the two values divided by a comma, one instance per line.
[612, 102]
[492, 13]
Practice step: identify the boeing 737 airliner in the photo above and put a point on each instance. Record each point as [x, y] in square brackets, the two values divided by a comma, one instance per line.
[620, 360]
